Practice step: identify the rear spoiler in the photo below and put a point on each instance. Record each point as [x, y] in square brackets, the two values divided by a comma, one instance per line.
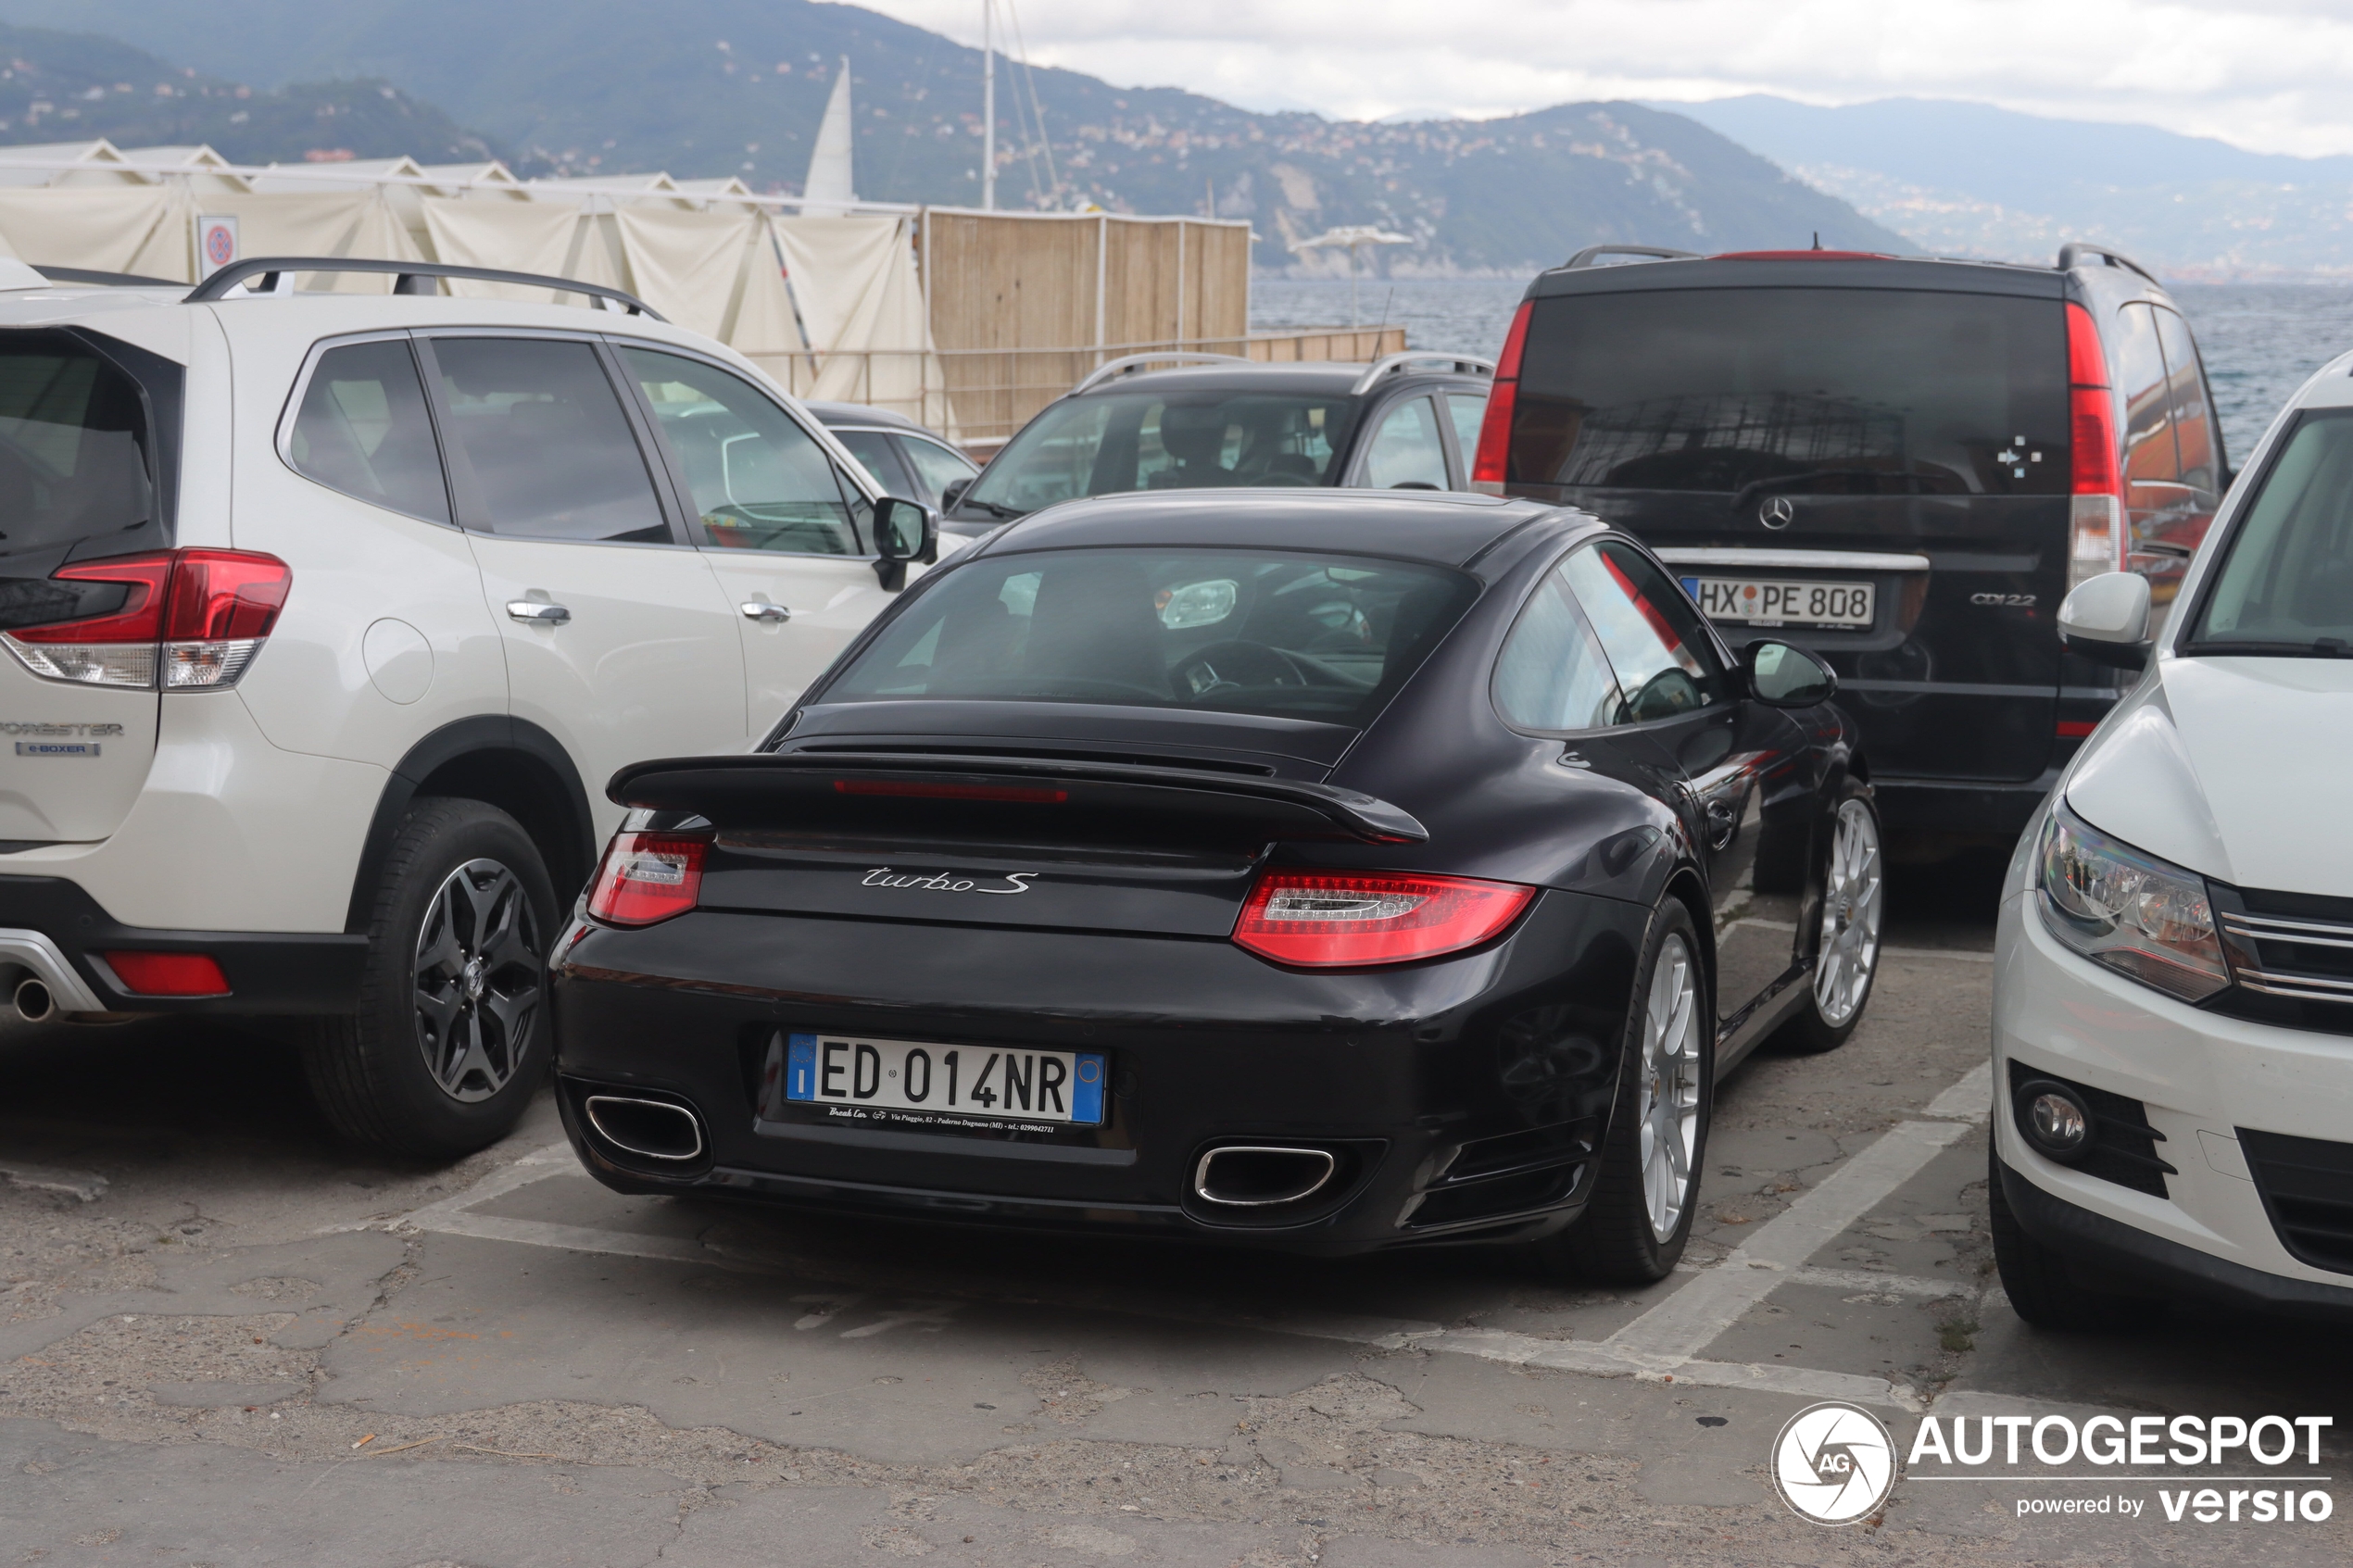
[821, 788]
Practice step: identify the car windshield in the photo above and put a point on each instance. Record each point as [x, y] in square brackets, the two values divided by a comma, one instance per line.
[1109, 442]
[1805, 391]
[2286, 575]
[1302, 636]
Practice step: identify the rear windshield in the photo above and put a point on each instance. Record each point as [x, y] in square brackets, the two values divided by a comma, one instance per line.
[1297, 637]
[2285, 584]
[1802, 391]
[74, 445]
[1113, 442]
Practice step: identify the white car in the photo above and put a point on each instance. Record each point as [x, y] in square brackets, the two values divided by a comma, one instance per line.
[324, 619]
[2173, 990]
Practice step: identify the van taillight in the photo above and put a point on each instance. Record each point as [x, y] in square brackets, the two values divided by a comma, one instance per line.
[646, 877]
[186, 620]
[1321, 920]
[2096, 512]
[1495, 431]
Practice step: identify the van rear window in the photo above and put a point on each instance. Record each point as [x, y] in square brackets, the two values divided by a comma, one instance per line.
[1803, 391]
[74, 445]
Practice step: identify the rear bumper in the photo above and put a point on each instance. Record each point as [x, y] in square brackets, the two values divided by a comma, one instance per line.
[1912, 805]
[1464, 1098]
[53, 930]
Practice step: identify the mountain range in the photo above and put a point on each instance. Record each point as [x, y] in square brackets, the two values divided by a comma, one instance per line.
[715, 87]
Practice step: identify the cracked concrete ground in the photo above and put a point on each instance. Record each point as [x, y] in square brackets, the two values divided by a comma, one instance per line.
[224, 1340]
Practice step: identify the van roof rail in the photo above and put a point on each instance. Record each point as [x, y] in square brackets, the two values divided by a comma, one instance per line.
[413, 278]
[1390, 363]
[1134, 362]
[2074, 253]
[1590, 255]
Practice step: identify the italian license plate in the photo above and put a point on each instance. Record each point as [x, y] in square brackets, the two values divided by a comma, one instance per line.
[1759, 602]
[949, 1082]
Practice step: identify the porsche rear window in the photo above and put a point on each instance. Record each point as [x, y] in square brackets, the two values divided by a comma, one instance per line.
[1302, 636]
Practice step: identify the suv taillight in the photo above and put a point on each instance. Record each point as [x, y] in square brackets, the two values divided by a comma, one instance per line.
[648, 877]
[1321, 920]
[187, 620]
[1495, 431]
[2097, 513]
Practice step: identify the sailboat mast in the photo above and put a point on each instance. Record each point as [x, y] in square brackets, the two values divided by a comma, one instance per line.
[988, 106]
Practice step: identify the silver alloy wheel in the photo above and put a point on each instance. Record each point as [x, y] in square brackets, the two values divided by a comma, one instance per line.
[1852, 899]
[477, 980]
[1668, 1105]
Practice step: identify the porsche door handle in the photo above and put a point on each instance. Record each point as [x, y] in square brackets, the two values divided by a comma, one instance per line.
[760, 609]
[537, 611]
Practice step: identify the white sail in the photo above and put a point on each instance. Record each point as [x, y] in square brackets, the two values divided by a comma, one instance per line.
[829, 190]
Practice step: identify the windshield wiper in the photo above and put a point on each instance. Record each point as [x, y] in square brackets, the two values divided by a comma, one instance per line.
[2319, 647]
[1002, 513]
[1756, 486]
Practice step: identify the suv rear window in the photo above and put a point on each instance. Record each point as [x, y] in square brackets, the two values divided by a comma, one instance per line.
[1112, 441]
[1821, 391]
[74, 445]
[1294, 636]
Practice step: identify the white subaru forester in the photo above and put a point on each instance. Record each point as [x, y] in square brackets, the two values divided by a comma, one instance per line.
[325, 617]
[2173, 990]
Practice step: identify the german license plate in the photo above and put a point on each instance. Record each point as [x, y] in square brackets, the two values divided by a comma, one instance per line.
[961, 1083]
[1759, 602]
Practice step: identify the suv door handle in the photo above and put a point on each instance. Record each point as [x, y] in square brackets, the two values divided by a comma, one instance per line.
[760, 609]
[538, 610]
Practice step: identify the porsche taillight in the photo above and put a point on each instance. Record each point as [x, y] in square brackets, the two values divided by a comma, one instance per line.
[648, 877]
[186, 621]
[1331, 919]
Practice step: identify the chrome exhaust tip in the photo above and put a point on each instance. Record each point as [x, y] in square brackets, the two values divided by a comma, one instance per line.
[652, 1129]
[33, 1001]
[1258, 1176]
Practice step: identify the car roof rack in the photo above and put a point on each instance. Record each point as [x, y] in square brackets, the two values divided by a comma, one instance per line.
[107, 280]
[1389, 364]
[1590, 255]
[276, 274]
[2074, 255]
[1134, 362]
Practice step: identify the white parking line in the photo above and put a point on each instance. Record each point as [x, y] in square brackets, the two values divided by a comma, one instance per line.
[1663, 1344]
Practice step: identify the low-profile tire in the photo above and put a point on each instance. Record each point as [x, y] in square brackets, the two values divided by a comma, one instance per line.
[1846, 943]
[1646, 1188]
[2044, 1290]
[450, 1038]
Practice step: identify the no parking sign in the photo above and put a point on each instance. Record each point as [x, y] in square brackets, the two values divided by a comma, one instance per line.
[216, 244]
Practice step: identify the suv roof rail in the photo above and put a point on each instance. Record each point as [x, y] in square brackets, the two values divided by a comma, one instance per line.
[1590, 255]
[413, 277]
[108, 280]
[1134, 362]
[2074, 255]
[1389, 364]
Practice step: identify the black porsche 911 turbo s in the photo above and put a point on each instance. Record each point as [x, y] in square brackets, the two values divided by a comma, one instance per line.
[1332, 872]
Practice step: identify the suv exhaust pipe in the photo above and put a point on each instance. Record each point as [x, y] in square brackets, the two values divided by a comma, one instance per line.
[650, 1129]
[1258, 1176]
[33, 1001]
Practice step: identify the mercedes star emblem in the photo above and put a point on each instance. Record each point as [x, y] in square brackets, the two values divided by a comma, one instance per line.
[1778, 511]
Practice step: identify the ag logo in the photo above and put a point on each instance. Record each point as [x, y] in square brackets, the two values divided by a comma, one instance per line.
[1779, 512]
[1834, 1463]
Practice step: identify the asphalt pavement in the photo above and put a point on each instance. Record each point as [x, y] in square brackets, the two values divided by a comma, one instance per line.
[225, 1340]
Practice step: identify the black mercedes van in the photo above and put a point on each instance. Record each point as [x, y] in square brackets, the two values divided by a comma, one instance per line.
[1903, 464]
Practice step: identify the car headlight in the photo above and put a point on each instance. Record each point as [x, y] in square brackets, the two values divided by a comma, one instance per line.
[2132, 912]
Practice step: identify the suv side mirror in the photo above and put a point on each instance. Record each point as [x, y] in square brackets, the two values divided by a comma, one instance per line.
[2106, 621]
[1783, 675]
[904, 530]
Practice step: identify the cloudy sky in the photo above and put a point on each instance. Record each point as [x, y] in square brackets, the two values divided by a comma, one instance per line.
[2271, 75]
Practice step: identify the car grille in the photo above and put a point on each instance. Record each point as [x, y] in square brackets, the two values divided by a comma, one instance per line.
[2307, 1187]
[2124, 1145]
[2291, 954]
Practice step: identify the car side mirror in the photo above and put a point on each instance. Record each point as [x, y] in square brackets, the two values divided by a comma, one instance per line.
[955, 492]
[1783, 675]
[2106, 621]
[904, 530]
